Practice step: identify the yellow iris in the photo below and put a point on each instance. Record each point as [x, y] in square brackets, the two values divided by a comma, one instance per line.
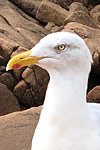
[61, 47]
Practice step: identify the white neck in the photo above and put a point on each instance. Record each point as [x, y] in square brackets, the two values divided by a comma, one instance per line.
[66, 97]
[63, 87]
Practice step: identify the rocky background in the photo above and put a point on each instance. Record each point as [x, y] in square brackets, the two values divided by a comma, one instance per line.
[22, 24]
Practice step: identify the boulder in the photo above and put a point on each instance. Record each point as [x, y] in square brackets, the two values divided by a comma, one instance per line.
[76, 6]
[6, 49]
[80, 17]
[18, 27]
[29, 6]
[17, 129]
[19, 90]
[17, 73]
[28, 76]
[51, 12]
[8, 101]
[31, 90]
[95, 14]
[7, 79]
[94, 95]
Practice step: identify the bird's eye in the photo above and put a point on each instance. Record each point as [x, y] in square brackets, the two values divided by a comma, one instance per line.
[61, 47]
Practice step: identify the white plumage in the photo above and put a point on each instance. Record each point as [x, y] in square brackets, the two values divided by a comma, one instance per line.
[67, 122]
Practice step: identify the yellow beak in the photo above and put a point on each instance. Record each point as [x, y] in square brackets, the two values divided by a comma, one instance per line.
[22, 60]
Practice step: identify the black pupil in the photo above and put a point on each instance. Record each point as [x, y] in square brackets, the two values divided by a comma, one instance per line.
[61, 46]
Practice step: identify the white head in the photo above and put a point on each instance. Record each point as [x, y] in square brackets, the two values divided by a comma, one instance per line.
[63, 50]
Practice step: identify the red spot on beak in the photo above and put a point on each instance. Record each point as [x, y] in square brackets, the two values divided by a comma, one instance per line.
[16, 66]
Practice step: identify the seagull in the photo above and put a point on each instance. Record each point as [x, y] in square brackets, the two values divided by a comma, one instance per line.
[67, 121]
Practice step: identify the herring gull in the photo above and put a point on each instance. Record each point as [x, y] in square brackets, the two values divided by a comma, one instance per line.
[67, 121]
